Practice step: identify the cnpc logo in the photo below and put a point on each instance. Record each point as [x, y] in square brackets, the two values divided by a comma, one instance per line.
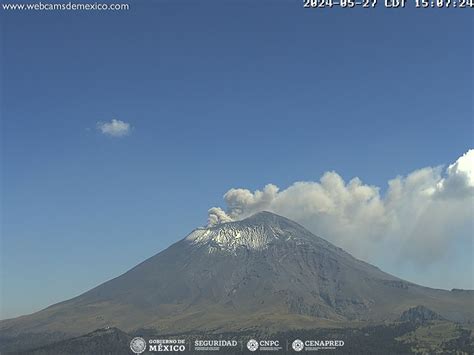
[254, 345]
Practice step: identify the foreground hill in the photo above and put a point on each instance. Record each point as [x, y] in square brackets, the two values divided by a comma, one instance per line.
[110, 341]
[410, 337]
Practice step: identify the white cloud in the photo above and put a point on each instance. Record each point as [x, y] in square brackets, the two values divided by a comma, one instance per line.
[414, 220]
[460, 177]
[114, 128]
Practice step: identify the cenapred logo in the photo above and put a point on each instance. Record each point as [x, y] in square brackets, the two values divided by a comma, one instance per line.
[252, 345]
[297, 345]
[138, 345]
[316, 345]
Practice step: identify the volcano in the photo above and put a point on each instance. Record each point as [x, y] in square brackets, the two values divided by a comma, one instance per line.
[264, 272]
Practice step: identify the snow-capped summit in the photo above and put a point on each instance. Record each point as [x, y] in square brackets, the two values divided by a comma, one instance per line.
[255, 232]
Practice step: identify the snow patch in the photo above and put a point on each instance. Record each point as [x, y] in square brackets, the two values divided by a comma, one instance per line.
[231, 236]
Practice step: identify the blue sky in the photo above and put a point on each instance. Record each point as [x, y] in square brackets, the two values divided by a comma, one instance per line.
[219, 94]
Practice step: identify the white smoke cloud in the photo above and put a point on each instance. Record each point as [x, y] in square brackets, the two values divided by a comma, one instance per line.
[416, 217]
[114, 128]
[217, 216]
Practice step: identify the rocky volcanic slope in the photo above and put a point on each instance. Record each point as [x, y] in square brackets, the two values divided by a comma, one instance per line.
[263, 272]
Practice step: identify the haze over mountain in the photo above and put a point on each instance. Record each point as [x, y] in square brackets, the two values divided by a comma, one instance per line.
[263, 272]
